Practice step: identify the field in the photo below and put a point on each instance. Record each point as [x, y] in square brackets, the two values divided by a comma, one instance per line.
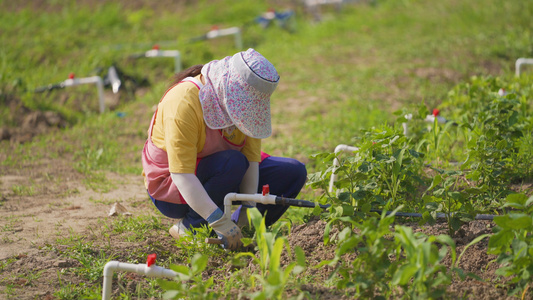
[354, 74]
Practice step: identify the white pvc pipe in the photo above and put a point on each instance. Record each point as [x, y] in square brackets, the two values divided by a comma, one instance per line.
[257, 198]
[520, 62]
[338, 149]
[166, 53]
[142, 269]
[228, 31]
[321, 2]
[90, 80]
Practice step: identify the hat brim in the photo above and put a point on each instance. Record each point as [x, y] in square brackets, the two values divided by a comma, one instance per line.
[227, 100]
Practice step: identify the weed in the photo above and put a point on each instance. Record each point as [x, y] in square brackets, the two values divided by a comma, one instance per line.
[23, 190]
[135, 228]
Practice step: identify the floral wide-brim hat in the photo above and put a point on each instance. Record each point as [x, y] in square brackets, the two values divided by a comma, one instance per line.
[237, 92]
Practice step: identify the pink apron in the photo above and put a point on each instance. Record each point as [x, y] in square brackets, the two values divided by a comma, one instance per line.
[155, 160]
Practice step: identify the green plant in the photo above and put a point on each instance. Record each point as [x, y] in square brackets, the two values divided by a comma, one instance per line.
[135, 228]
[496, 128]
[384, 169]
[513, 243]
[370, 272]
[422, 275]
[23, 190]
[273, 277]
[447, 198]
[189, 283]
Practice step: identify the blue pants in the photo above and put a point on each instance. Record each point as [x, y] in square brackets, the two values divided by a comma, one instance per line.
[221, 173]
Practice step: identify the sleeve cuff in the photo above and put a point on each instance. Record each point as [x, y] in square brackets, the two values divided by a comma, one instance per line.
[215, 216]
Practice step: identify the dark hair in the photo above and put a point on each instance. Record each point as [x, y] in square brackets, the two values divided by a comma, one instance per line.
[190, 72]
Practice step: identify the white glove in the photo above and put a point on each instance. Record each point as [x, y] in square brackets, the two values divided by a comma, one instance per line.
[227, 231]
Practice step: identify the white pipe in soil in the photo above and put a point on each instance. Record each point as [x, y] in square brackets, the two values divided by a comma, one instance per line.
[142, 269]
[224, 32]
[166, 53]
[257, 198]
[338, 149]
[520, 62]
[89, 80]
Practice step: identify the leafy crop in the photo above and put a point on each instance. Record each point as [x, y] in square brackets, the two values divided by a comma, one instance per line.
[513, 242]
[387, 260]
[189, 281]
[273, 276]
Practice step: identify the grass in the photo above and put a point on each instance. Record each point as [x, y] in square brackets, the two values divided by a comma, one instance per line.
[337, 75]
[349, 72]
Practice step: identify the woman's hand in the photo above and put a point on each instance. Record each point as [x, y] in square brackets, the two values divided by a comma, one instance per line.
[229, 232]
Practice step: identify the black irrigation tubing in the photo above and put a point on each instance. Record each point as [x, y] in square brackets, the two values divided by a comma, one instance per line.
[304, 203]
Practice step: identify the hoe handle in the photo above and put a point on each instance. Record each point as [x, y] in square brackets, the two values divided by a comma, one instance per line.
[214, 241]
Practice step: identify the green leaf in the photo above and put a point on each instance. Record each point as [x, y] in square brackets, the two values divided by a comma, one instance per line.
[366, 207]
[436, 181]
[168, 285]
[500, 240]
[327, 230]
[415, 154]
[347, 210]
[275, 256]
[455, 223]
[300, 256]
[514, 221]
[345, 197]
[396, 168]
[529, 201]
[516, 200]
[171, 294]
[501, 145]
[180, 269]
[198, 263]
[422, 111]
[256, 217]
[247, 241]
[404, 274]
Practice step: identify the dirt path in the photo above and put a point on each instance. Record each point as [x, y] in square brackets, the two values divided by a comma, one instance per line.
[28, 222]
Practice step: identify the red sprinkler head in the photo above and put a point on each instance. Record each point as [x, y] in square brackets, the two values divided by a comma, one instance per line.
[71, 76]
[266, 190]
[155, 47]
[436, 112]
[151, 259]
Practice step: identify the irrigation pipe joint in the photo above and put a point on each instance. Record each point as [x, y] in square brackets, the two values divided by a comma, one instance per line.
[141, 269]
